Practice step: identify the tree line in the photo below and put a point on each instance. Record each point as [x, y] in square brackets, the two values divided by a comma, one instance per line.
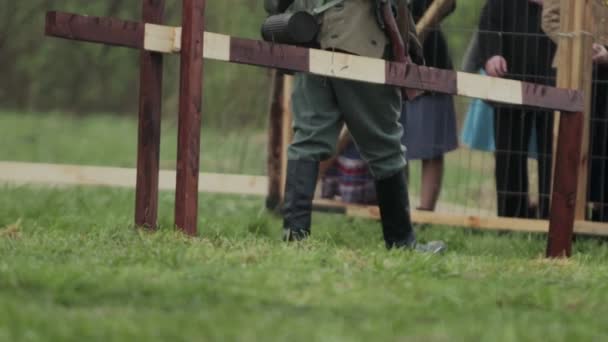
[44, 74]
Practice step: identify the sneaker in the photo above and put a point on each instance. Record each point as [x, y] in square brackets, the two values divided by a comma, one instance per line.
[290, 235]
[433, 247]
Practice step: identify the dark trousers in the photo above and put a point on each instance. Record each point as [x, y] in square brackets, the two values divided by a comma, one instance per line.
[513, 128]
[598, 147]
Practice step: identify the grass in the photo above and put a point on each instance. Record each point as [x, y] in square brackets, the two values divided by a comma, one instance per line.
[106, 140]
[73, 268]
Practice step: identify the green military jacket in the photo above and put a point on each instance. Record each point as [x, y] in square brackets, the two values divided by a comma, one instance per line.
[352, 26]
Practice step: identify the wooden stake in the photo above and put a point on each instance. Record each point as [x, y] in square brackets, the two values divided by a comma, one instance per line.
[189, 127]
[275, 141]
[582, 74]
[150, 104]
[563, 202]
[287, 129]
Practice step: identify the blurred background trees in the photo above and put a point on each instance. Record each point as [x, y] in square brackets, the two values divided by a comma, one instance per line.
[51, 75]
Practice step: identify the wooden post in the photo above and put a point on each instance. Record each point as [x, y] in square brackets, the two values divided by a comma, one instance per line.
[287, 129]
[150, 104]
[563, 203]
[575, 71]
[275, 141]
[571, 131]
[564, 62]
[189, 127]
[582, 75]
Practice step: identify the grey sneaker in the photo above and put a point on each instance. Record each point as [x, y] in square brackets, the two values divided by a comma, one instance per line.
[433, 247]
[290, 235]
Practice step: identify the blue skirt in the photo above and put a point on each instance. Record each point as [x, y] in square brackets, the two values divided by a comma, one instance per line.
[430, 126]
[478, 130]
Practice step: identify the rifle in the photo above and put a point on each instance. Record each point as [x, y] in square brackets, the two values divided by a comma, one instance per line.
[400, 49]
[433, 15]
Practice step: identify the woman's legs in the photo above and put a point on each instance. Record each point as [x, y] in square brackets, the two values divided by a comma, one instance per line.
[511, 171]
[432, 177]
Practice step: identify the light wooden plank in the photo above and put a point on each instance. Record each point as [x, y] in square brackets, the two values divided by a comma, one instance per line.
[168, 39]
[341, 65]
[489, 88]
[76, 175]
[217, 46]
[470, 221]
[161, 38]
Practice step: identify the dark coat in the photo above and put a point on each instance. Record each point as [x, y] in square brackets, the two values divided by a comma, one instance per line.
[512, 29]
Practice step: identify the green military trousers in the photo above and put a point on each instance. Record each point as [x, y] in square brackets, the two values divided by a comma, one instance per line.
[370, 111]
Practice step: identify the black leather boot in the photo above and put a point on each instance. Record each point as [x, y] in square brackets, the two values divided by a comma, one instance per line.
[393, 200]
[299, 192]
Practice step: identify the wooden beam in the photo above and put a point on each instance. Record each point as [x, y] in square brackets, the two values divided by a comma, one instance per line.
[166, 39]
[150, 104]
[110, 31]
[464, 221]
[17, 173]
[189, 125]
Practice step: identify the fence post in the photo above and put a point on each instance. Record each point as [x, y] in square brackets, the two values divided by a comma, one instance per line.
[563, 202]
[287, 128]
[275, 141]
[582, 78]
[189, 126]
[148, 141]
[569, 195]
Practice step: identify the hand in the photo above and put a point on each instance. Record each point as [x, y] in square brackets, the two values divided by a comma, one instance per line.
[496, 66]
[600, 54]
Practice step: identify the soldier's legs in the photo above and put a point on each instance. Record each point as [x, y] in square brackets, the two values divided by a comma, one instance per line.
[316, 123]
[371, 113]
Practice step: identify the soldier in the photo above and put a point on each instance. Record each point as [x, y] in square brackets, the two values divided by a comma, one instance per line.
[370, 111]
[598, 144]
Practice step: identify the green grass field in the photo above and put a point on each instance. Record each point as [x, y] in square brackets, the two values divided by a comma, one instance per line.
[72, 267]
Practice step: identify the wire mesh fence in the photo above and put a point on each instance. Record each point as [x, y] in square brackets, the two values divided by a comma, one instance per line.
[472, 157]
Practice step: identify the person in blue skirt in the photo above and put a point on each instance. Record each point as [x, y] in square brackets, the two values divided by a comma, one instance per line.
[430, 119]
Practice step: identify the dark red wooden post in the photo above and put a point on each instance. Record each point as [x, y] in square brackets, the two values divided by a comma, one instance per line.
[189, 127]
[150, 103]
[275, 141]
[563, 203]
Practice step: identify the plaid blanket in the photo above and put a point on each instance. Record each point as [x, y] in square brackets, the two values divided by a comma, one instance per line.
[350, 179]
